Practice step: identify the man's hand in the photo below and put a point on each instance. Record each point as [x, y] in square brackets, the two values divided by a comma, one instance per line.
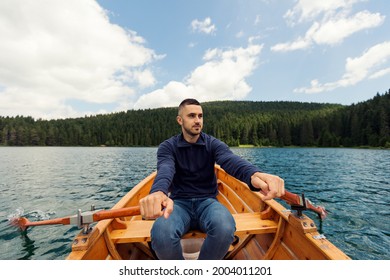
[156, 205]
[271, 185]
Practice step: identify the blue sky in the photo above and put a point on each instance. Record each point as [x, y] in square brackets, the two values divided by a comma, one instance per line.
[61, 59]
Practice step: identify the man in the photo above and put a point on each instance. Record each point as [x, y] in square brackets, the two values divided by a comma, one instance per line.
[183, 195]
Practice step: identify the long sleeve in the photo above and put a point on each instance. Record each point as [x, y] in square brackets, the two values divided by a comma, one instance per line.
[234, 164]
[165, 169]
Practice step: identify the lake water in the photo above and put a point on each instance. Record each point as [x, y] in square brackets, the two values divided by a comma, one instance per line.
[50, 182]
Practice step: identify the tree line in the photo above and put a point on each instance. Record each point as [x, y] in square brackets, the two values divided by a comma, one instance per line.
[235, 122]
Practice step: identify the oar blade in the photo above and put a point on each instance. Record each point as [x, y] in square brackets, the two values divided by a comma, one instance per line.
[20, 222]
[322, 212]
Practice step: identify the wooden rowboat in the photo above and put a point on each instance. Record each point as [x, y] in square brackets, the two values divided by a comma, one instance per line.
[264, 230]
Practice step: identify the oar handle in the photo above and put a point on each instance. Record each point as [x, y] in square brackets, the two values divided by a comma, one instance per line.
[292, 198]
[116, 213]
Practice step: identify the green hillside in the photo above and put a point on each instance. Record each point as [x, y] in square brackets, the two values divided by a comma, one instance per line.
[235, 122]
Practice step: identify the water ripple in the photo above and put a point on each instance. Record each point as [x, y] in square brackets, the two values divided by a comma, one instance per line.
[45, 183]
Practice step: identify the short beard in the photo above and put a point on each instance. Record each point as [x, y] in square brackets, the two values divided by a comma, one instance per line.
[192, 134]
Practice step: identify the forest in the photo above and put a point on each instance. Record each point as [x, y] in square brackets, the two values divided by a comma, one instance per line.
[237, 123]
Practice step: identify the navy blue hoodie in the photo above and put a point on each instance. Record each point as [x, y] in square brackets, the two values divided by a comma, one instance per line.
[186, 170]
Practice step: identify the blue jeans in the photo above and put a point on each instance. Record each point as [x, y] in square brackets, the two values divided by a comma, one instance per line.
[204, 214]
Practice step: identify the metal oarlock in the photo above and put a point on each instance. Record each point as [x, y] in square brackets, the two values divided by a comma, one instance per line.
[83, 219]
[305, 204]
[300, 207]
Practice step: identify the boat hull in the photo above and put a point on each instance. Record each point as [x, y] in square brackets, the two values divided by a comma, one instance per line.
[265, 230]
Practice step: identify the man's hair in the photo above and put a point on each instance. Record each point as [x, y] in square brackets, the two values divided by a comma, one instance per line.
[188, 101]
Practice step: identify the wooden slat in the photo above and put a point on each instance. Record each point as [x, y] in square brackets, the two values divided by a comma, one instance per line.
[252, 199]
[253, 250]
[246, 223]
[136, 231]
[251, 223]
[224, 201]
[235, 200]
[111, 246]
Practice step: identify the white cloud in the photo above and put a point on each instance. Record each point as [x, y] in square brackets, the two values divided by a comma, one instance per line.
[380, 73]
[298, 44]
[307, 10]
[337, 28]
[332, 23]
[56, 52]
[373, 63]
[204, 26]
[221, 77]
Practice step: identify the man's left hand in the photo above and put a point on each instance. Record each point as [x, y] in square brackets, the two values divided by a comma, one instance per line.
[271, 185]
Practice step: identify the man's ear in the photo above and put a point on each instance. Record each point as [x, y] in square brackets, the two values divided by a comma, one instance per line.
[179, 120]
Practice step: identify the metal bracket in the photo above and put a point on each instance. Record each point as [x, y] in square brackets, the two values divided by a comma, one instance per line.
[300, 207]
[83, 219]
[319, 236]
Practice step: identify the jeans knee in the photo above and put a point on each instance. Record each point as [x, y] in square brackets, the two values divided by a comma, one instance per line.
[223, 229]
[227, 228]
[166, 242]
[164, 235]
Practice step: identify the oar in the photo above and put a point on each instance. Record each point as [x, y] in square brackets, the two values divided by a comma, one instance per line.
[81, 219]
[299, 203]
[84, 219]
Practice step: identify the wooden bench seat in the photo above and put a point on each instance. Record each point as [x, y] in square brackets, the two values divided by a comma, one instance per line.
[139, 230]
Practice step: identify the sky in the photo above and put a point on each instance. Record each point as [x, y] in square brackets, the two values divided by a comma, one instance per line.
[75, 58]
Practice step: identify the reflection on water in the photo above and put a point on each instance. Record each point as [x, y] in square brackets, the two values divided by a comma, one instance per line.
[28, 246]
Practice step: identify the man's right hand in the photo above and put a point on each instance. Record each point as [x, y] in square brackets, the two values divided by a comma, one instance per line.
[156, 205]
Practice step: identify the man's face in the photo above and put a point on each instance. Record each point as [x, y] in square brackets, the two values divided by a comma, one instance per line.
[191, 119]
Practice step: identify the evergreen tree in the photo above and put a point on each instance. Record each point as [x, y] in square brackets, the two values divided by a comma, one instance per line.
[234, 122]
